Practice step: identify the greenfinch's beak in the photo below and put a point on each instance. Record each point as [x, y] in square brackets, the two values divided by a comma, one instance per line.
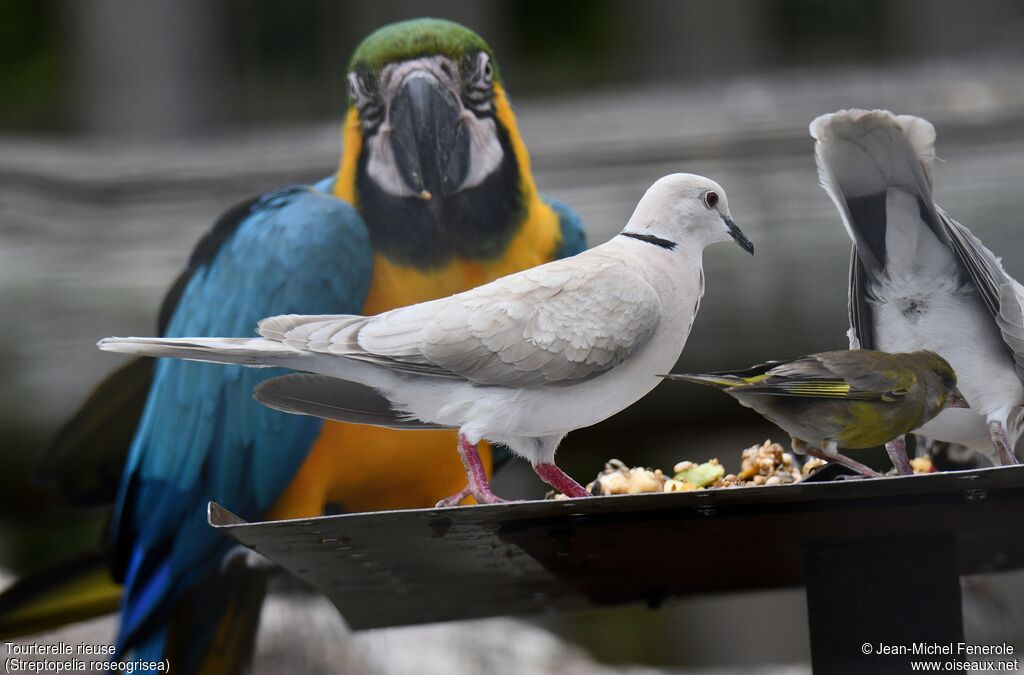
[956, 400]
[736, 233]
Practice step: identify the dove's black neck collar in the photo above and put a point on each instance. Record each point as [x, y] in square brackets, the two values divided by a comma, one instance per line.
[475, 223]
[651, 239]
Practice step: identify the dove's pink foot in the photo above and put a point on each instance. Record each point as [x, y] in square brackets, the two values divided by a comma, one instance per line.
[560, 480]
[897, 449]
[476, 476]
[1001, 443]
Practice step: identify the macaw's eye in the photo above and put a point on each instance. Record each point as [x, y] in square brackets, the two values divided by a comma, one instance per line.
[485, 68]
[710, 199]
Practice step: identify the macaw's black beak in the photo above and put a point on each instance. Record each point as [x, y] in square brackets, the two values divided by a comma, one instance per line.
[737, 234]
[430, 141]
[956, 400]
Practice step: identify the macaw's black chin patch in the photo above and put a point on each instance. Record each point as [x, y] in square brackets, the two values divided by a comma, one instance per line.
[428, 231]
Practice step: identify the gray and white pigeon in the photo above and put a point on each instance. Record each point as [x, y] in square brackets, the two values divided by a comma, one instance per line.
[921, 280]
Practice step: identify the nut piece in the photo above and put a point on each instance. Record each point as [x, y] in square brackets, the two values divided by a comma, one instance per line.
[811, 465]
[619, 479]
[922, 464]
[672, 485]
[764, 464]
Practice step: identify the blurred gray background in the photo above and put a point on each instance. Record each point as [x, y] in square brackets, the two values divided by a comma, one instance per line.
[127, 127]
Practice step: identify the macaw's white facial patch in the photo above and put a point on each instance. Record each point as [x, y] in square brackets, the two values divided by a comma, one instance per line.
[382, 166]
[485, 149]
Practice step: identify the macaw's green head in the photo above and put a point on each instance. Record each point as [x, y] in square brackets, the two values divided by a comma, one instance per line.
[439, 157]
[424, 92]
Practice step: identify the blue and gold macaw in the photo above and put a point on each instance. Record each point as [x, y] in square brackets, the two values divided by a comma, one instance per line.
[433, 195]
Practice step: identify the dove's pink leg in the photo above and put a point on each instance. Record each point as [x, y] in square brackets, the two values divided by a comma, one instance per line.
[897, 449]
[1001, 443]
[560, 480]
[475, 474]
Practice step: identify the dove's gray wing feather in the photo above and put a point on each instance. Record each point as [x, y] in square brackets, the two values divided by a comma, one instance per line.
[538, 330]
[1003, 296]
[862, 330]
[563, 322]
[333, 399]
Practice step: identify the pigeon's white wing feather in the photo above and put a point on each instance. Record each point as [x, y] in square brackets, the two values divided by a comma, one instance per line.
[561, 322]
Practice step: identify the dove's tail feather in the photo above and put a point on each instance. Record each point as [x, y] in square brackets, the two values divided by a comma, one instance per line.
[719, 381]
[876, 166]
[255, 352]
[333, 399]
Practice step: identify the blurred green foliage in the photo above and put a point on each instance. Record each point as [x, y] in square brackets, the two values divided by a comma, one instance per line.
[563, 44]
[32, 73]
[278, 62]
[832, 31]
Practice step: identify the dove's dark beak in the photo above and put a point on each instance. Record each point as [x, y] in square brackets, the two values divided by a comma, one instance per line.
[429, 138]
[956, 400]
[736, 233]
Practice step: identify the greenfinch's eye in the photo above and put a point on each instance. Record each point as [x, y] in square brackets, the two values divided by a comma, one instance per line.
[710, 199]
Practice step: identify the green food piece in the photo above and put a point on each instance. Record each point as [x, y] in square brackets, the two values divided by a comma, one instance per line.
[702, 475]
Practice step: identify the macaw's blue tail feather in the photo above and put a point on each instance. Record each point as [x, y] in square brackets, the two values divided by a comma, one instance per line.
[146, 590]
[227, 617]
[150, 649]
[210, 631]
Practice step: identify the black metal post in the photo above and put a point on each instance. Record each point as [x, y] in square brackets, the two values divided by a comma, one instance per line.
[870, 602]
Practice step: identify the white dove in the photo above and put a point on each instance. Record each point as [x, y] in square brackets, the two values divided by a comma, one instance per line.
[920, 280]
[520, 361]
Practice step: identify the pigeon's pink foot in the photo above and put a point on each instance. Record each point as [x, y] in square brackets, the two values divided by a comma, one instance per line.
[476, 476]
[897, 449]
[1002, 443]
[560, 480]
[455, 499]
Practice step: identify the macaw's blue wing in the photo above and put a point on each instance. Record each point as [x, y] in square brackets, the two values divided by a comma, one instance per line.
[574, 239]
[202, 435]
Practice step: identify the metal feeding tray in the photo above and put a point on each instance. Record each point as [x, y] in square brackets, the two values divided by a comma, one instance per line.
[880, 558]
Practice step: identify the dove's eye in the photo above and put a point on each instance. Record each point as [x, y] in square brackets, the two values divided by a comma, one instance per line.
[710, 199]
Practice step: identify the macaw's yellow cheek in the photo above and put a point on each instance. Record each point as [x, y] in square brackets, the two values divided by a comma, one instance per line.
[352, 145]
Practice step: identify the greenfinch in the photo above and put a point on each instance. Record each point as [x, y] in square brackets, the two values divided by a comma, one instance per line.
[850, 400]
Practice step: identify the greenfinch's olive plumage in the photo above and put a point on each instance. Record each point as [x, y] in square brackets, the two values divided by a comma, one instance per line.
[843, 399]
